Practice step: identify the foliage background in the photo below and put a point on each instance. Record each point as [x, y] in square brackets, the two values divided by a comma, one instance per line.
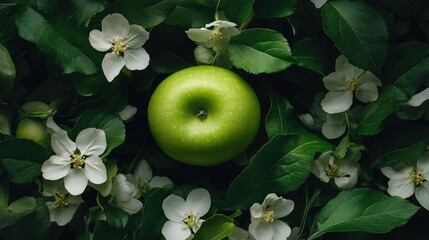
[45, 56]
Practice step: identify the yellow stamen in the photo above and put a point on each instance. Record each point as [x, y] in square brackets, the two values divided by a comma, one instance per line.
[353, 85]
[60, 200]
[191, 220]
[333, 170]
[118, 45]
[216, 36]
[268, 216]
[78, 161]
[416, 177]
[143, 186]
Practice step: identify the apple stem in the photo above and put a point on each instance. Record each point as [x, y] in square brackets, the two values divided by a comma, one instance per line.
[202, 114]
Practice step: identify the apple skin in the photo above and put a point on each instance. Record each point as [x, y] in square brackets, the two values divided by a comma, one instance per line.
[224, 130]
[33, 129]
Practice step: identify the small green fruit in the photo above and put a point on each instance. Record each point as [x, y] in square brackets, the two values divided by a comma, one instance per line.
[33, 129]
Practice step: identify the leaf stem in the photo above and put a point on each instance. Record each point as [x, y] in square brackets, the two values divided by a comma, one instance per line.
[308, 204]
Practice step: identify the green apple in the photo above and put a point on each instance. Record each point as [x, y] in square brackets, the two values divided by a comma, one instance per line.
[204, 115]
[33, 129]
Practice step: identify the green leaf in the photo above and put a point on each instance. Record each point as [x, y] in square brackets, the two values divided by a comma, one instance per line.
[202, 12]
[399, 143]
[311, 54]
[260, 51]
[375, 112]
[104, 231]
[237, 11]
[153, 215]
[84, 10]
[110, 123]
[280, 166]
[281, 118]
[408, 66]
[116, 217]
[24, 150]
[7, 70]
[275, 8]
[16, 211]
[105, 188]
[363, 210]
[164, 60]
[403, 8]
[34, 28]
[346, 23]
[216, 227]
[22, 171]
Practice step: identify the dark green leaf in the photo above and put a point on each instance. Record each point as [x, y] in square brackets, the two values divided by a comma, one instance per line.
[403, 8]
[238, 11]
[217, 227]
[7, 70]
[16, 211]
[260, 50]
[22, 171]
[34, 28]
[358, 31]
[281, 118]
[363, 210]
[104, 231]
[408, 66]
[84, 10]
[375, 112]
[399, 143]
[280, 166]
[116, 217]
[202, 12]
[275, 8]
[309, 53]
[165, 61]
[13, 149]
[110, 123]
[153, 215]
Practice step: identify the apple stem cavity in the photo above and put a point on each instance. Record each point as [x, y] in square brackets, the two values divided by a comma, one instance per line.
[201, 114]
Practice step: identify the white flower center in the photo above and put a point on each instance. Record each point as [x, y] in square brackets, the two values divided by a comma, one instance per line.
[118, 45]
[78, 161]
[143, 186]
[216, 35]
[191, 219]
[60, 200]
[353, 85]
[268, 216]
[416, 177]
[332, 170]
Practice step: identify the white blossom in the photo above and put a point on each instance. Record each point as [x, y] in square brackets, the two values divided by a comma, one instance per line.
[346, 80]
[144, 180]
[184, 217]
[239, 234]
[416, 107]
[216, 38]
[125, 195]
[265, 218]
[410, 178]
[344, 171]
[124, 40]
[64, 206]
[319, 3]
[76, 162]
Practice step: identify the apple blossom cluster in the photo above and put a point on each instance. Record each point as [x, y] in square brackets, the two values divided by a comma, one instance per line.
[125, 42]
[212, 41]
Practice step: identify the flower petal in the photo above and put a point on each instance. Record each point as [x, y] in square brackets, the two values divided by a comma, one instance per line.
[256, 212]
[52, 187]
[115, 26]
[198, 201]
[401, 187]
[174, 208]
[221, 24]
[143, 171]
[281, 207]
[199, 35]
[333, 131]
[112, 65]
[336, 102]
[159, 182]
[136, 59]
[91, 141]
[127, 112]
[423, 165]
[137, 36]
[281, 230]
[336, 81]
[95, 170]
[422, 194]
[62, 145]
[52, 127]
[261, 230]
[368, 76]
[132, 206]
[419, 98]
[367, 92]
[63, 215]
[56, 167]
[75, 182]
[319, 3]
[175, 231]
[319, 166]
[238, 234]
[99, 41]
